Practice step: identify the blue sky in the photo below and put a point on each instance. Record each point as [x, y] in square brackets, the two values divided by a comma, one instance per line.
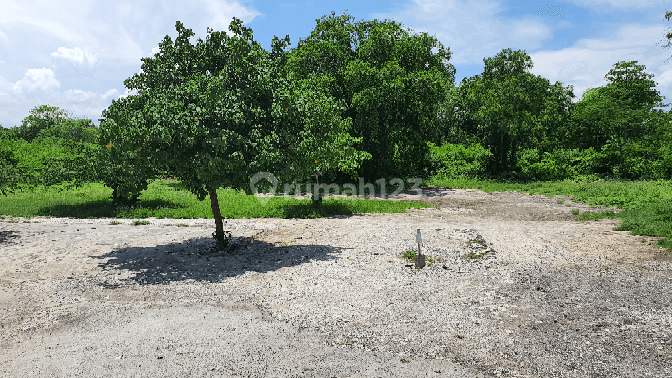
[76, 54]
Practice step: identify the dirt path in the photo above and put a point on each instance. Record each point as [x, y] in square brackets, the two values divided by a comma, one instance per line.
[331, 297]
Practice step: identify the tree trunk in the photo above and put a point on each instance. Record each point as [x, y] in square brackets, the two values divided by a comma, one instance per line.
[214, 203]
[222, 243]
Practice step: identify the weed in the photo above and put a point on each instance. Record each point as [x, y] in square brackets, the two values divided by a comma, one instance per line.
[410, 255]
[561, 202]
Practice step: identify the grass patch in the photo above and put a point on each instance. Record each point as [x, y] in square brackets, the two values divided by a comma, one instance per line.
[409, 256]
[474, 256]
[167, 199]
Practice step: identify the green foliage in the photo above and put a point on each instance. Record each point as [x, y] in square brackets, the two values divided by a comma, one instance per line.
[219, 113]
[452, 160]
[410, 255]
[390, 82]
[45, 162]
[40, 118]
[81, 130]
[620, 112]
[511, 109]
[8, 133]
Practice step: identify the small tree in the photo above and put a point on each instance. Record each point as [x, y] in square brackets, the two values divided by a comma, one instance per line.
[221, 114]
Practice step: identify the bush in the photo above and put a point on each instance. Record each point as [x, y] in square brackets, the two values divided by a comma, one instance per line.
[560, 165]
[454, 160]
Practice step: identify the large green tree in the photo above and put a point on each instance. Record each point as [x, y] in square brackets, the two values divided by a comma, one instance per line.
[391, 82]
[222, 115]
[510, 109]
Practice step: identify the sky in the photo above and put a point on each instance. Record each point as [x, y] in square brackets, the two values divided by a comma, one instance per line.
[76, 54]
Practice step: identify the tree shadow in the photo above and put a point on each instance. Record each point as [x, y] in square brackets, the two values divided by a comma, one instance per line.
[102, 208]
[194, 260]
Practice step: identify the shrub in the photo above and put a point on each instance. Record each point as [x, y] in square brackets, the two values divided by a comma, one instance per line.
[454, 160]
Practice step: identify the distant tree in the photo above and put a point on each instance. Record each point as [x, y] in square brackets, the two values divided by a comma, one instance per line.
[509, 109]
[8, 133]
[40, 118]
[617, 111]
[81, 130]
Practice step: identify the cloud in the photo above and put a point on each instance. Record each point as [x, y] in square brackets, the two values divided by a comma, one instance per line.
[223, 13]
[488, 30]
[620, 4]
[75, 55]
[110, 95]
[127, 92]
[41, 79]
[78, 95]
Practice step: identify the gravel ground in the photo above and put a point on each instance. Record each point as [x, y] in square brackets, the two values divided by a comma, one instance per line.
[549, 296]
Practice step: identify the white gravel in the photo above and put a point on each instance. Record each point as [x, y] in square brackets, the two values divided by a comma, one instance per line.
[548, 298]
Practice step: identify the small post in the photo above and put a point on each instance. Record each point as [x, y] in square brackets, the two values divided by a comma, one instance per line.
[419, 257]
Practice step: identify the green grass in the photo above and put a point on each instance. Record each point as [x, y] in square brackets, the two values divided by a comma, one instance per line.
[646, 205]
[168, 199]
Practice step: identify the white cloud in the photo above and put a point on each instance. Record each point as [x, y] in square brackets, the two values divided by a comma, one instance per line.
[78, 95]
[488, 31]
[127, 92]
[41, 79]
[76, 55]
[620, 4]
[110, 95]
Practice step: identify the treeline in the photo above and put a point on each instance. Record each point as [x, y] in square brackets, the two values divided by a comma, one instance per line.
[399, 100]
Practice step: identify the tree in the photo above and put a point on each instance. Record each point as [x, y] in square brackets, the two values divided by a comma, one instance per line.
[391, 83]
[80, 130]
[668, 36]
[222, 115]
[40, 118]
[511, 109]
[618, 112]
[44, 122]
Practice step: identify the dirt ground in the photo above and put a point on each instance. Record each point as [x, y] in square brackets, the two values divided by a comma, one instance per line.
[555, 297]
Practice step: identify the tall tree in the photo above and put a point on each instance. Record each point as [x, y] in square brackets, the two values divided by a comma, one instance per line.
[222, 115]
[391, 82]
[618, 111]
[513, 109]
